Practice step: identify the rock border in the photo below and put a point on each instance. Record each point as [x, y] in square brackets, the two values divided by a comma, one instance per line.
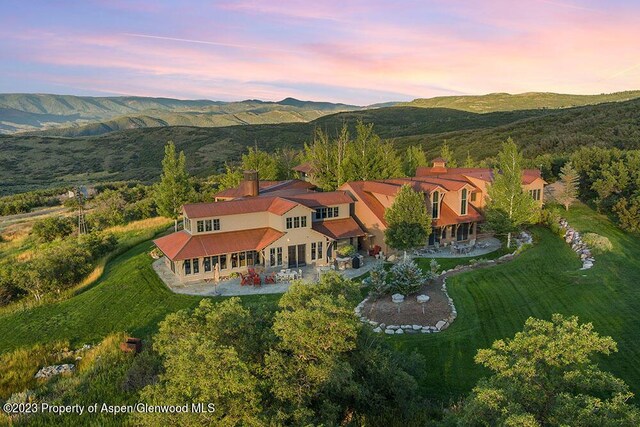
[441, 325]
[574, 239]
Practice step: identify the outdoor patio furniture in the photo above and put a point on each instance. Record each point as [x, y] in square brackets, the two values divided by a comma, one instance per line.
[375, 251]
[252, 272]
[270, 279]
[257, 281]
[245, 279]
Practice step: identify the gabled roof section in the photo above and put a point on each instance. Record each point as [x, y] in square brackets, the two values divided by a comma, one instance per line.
[182, 245]
[305, 167]
[367, 199]
[319, 199]
[268, 188]
[449, 217]
[276, 205]
[339, 228]
[484, 174]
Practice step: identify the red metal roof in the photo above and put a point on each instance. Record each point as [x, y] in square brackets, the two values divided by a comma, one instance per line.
[305, 167]
[449, 217]
[182, 245]
[317, 199]
[339, 228]
[369, 201]
[269, 188]
[276, 205]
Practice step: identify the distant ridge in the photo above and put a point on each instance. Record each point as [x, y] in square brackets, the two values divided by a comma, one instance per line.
[523, 101]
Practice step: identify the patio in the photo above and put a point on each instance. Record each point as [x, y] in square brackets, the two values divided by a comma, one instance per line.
[232, 287]
[482, 246]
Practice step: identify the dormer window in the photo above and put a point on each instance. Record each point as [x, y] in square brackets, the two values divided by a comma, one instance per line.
[435, 205]
[463, 202]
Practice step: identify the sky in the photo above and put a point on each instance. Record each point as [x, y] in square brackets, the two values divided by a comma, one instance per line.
[353, 51]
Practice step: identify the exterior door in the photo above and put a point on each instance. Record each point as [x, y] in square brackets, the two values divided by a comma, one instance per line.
[302, 255]
[292, 257]
[463, 231]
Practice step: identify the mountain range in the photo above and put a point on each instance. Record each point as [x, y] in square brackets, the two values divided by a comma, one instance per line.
[45, 159]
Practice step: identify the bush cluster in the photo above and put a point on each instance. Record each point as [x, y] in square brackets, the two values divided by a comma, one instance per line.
[596, 242]
[403, 278]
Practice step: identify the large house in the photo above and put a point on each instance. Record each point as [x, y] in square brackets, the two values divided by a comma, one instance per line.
[271, 224]
[290, 224]
[454, 197]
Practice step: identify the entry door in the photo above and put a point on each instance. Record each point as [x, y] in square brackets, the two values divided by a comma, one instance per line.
[292, 256]
[463, 231]
[302, 255]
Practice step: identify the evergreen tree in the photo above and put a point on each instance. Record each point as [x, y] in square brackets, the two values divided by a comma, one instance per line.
[570, 181]
[408, 223]
[174, 188]
[447, 155]
[547, 376]
[321, 153]
[509, 206]
[414, 158]
[468, 162]
[261, 161]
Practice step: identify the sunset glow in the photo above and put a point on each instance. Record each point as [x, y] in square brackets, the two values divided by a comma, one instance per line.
[358, 52]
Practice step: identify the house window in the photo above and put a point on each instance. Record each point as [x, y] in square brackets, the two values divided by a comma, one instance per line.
[289, 223]
[453, 231]
[207, 225]
[243, 259]
[313, 251]
[535, 194]
[187, 266]
[186, 224]
[200, 226]
[435, 205]
[272, 257]
[206, 262]
[463, 203]
[196, 266]
[296, 222]
[473, 196]
[329, 213]
[319, 250]
[303, 221]
[234, 260]
[336, 212]
[214, 261]
[279, 256]
[173, 266]
[223, 262]
[322, 213]
[216, 224]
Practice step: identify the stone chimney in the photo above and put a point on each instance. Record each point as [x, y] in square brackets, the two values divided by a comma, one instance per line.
[250, 184]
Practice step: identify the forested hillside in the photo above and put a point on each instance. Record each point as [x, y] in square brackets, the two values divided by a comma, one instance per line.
[29, 162]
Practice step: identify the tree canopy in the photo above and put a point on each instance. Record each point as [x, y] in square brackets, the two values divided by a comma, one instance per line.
[547, 375]
[408, 223]
[570, 180]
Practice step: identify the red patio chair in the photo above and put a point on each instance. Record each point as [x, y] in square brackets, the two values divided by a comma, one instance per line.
[252, 272]
[270, 279]
[245, 280]
[257, 281]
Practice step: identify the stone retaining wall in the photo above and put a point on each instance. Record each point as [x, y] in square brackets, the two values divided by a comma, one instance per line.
[573, 238]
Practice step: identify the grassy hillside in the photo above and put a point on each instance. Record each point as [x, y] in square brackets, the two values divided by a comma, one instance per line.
[558, 132]
[28, 162]
[33, 112]
[522, 101]
[492, 303]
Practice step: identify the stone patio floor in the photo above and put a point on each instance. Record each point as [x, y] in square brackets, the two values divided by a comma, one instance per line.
[232, 287]
[492, 243]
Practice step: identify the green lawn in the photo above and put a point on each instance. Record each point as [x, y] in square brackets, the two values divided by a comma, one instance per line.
[494, 303]
[129, 297]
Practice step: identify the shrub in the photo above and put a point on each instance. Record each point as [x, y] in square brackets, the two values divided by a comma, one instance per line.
[404, 278]
[550, 217]
[49, 229]
[597, 243]
[346, 251]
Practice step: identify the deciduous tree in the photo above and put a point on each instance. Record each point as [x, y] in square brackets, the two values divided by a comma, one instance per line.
[509, 206]
[408, 223]
[413, 159]
[547, 375]
[260, 161]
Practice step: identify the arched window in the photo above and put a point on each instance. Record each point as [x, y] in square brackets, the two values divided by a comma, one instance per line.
[435, 205]
[463, 203]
